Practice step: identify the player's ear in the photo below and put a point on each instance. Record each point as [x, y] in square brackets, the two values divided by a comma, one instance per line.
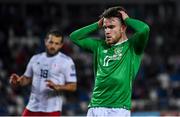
[61, 41]
[123, 28]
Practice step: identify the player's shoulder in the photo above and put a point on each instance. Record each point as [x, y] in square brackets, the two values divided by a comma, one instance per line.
[65, 57]
[37, 56]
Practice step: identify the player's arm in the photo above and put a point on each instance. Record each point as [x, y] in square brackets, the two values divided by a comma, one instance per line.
[70, 78]
[70, 86]
[81, 37]
[26, 79]
[16, 80]
[141, 34]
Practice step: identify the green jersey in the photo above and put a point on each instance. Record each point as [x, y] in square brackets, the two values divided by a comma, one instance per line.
[116, 66]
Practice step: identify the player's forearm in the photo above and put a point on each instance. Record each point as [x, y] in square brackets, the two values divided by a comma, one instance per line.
[137, 25]
[141, 34]
[83, 32]
[67, 87]
[25, 81]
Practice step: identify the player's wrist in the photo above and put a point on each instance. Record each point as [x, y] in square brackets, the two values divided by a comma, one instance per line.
[100, 23]
[58, 87]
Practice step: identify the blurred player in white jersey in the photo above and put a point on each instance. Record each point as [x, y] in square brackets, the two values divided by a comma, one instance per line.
[50, 73]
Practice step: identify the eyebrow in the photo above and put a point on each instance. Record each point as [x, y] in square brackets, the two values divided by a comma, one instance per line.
[109, 25]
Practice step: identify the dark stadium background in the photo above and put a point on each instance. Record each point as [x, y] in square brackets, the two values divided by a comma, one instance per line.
[23, 24]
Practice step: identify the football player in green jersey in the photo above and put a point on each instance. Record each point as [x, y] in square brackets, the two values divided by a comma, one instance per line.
[116, 59]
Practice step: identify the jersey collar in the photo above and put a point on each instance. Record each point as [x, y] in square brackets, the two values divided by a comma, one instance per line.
[120, 42]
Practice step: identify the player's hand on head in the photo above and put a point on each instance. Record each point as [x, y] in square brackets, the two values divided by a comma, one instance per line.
[124, 15]
[100, 23]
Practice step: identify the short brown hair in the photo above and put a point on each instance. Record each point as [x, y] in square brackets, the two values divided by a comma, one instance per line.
[55, 32]
[113, 12]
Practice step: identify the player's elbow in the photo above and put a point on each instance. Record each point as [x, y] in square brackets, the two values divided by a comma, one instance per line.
[144, 32]
[146, 29]
[72, 36]
[73, 87]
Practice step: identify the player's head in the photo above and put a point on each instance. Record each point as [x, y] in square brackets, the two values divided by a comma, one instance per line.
[53, 41]
[113, 24]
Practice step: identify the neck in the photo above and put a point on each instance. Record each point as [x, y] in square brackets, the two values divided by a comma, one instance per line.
[51, 55]
[123, 38]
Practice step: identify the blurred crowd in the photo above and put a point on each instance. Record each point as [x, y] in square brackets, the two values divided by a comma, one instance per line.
[22, 31]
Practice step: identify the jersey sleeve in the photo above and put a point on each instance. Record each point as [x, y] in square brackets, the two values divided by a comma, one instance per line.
[81, 37]
[29, 71]
[70, 71]
[140, 37]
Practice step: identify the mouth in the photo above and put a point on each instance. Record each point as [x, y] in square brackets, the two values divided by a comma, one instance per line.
[51, 51]
[108, 38]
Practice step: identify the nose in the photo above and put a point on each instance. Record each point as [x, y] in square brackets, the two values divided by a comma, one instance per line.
[107, 31]
[53, 45]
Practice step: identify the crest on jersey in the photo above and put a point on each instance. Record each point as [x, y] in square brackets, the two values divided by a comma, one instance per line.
[105, 51]
[118, 51]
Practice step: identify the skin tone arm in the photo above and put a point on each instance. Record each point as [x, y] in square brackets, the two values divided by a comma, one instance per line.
[67, 87]
[16, 80]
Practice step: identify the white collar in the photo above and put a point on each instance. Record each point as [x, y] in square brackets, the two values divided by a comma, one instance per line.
[120, 42]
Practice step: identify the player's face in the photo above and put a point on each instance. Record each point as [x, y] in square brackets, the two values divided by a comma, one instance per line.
[53, 44]
[113, 30]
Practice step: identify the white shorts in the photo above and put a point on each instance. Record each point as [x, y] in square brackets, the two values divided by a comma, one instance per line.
[101, 111]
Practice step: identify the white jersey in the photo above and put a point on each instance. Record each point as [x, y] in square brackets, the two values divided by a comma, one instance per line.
[59, 69]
